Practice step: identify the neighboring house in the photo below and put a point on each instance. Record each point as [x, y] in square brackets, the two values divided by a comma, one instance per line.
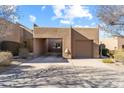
[67, 42]
[113, 43]
[16, 33]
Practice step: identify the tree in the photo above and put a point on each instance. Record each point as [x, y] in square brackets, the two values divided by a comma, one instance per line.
[112, 18]
[8, 13]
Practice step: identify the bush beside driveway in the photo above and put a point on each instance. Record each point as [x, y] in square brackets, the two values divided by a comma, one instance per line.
[5, 58]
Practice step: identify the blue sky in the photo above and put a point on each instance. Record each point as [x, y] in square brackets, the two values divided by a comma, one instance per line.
[58, 16]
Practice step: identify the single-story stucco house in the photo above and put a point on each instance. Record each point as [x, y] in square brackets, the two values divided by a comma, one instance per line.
[113, 43]
[67, 42]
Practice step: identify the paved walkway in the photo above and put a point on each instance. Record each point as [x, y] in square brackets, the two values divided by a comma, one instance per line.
[68, 73]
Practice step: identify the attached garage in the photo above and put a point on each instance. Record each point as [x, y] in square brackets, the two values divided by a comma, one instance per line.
[83, 49]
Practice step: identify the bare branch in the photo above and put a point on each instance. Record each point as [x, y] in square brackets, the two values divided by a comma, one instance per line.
[8, 13]
[113, 18]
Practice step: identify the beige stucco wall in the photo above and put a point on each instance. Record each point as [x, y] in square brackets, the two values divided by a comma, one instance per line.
[111, 43]
[28, 37]
[39, 47]
[86, 34]
[120, 42]
[15, 33]
[11, 32]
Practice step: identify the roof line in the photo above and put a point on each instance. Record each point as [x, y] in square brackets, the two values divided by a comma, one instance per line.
[67, 27]
[24, 27]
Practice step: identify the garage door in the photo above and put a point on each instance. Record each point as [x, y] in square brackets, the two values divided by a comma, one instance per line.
[83, 49]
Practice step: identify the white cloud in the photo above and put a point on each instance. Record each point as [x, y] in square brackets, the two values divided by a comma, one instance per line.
[71, 12]
[80, 26]
[43, 7]
[78, 11]
[65, 22]
[86, 26]
[92, 24]
[32, 18]
[58, 11]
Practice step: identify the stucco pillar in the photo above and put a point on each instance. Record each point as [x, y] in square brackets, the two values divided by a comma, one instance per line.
[67, 45]
[36, 47]
[39, 46]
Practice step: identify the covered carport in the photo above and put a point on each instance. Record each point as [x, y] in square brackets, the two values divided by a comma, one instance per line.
[48, 46]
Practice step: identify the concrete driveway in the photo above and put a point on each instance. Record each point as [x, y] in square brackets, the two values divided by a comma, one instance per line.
[87, 73]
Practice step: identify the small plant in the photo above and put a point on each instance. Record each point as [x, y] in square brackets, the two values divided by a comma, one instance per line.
[111, 53]
[108, 60]
[119, 55]
[23, 53]
[105, 52]
[5, 58]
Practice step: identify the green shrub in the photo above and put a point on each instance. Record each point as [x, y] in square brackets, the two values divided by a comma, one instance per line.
[105, 52]
[119, 55]
[5, 58]
[108, 60]
[23, 53]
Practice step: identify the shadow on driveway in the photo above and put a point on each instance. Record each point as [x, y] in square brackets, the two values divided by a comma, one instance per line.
[63, 77]
[48, 59]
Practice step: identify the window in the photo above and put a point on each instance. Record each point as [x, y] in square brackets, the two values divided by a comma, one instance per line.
[58, 45]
